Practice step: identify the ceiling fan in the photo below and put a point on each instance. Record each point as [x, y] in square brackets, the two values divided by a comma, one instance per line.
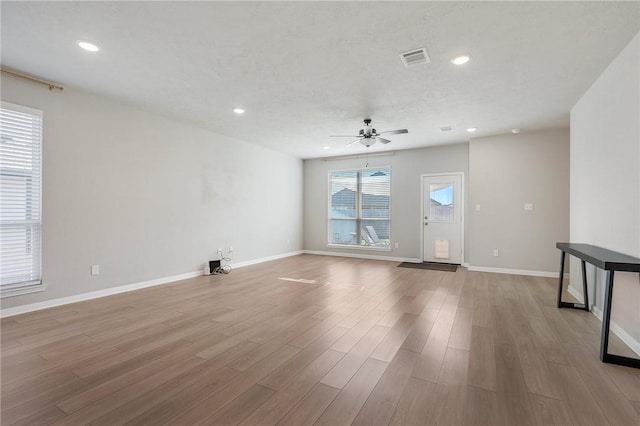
[368, 135]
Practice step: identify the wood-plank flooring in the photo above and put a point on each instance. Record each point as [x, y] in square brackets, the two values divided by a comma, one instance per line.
[317, 340]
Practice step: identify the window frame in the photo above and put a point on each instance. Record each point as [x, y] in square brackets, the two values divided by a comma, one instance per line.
[358, 219]
[37, 284]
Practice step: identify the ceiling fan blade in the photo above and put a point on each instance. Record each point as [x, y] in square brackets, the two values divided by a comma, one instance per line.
[356, 141]
[344, 136]
[382, 140]
[395, 132]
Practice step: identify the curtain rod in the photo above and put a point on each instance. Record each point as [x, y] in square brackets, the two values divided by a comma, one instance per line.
[50, 85]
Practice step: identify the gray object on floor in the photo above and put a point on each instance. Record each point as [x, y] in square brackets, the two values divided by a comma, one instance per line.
[447, 267]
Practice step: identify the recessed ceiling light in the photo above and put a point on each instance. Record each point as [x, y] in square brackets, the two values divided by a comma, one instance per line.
[326, 147]
[462, 59]
[471, 129]
[238, 111]
[88, 46]
[515, 131]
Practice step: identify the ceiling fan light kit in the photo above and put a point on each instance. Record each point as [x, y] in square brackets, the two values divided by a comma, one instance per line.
[367, 136]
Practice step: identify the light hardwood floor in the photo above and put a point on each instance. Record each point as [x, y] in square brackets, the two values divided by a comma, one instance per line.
[317, 340]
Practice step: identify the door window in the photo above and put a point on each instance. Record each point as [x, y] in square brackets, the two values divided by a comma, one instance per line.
[441, 202]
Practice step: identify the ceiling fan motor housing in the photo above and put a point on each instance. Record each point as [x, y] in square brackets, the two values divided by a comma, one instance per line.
[368, 131]
[368, 136]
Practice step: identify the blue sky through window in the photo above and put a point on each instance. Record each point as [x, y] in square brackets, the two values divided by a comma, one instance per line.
[444, 195]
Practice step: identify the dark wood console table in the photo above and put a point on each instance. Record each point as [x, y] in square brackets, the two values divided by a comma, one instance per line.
[609, 261]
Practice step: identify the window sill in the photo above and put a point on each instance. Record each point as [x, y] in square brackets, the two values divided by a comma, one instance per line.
[366, 248]
[21, 291]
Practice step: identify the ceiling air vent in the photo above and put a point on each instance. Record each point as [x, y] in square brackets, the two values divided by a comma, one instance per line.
[415, 57]
[446, 129]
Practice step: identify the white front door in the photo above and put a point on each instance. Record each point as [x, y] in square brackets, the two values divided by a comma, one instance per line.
[442, 218]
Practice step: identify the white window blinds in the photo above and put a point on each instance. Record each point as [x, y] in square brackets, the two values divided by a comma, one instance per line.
[360, 207]
[20, 198]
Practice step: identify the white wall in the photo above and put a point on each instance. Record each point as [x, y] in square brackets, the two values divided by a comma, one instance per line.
[605, 178]
[406, 168]
[147, 197]
[505, 172]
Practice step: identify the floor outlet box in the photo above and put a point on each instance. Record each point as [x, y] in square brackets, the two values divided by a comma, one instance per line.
[214, 265]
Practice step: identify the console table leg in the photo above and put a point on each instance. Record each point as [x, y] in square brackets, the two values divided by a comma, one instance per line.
[606, 318]
[562, 253]
[585, 290]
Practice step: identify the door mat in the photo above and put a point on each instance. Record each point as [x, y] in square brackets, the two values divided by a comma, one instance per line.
[447, 267]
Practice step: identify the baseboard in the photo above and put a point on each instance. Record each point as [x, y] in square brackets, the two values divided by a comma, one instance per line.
[266, 259]
[513, 271]
[363, 256]
[17, 310]
[618, 331]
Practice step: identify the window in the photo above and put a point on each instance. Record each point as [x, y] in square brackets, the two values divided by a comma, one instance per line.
[20, 199]
[441, 206]
[360, 207]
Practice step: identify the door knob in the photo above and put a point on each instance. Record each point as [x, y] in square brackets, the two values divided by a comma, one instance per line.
[426, 223]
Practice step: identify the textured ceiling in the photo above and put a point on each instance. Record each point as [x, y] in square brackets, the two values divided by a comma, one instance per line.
[305, 70]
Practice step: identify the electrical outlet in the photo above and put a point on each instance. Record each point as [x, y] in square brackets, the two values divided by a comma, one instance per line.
[528, 207]
[496, 253]
[95, 269]
[397, 245]
[230, 249]
[219, 250]
[477, 207]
